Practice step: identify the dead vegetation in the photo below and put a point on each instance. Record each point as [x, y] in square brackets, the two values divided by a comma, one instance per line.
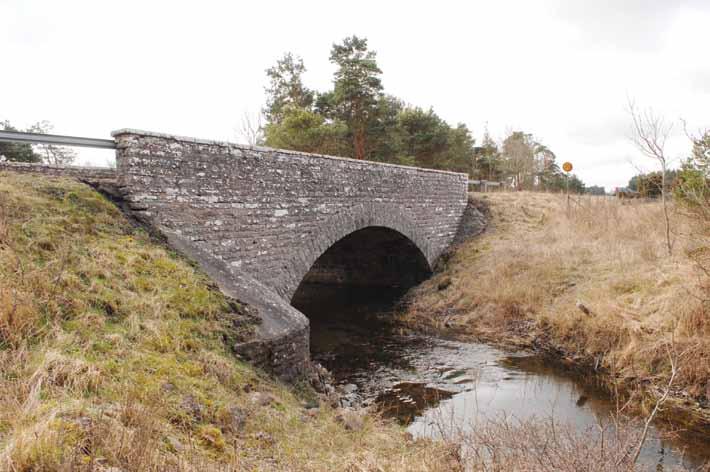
[543, 445]
[596, 288]
[114, 355]
[114, 352]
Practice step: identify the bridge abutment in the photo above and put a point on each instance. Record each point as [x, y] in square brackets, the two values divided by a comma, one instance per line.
[258, 220]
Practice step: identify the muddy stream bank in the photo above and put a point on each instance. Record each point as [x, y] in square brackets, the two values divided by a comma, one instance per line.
[439, 387]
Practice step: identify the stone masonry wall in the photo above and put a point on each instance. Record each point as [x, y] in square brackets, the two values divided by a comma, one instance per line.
[257, 219]
[92, 175]
[271, 213]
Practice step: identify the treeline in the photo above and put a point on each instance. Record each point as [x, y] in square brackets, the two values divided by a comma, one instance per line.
[523, 162]
[357, 118]
[689, 181]
[34, 153]
[649, 184]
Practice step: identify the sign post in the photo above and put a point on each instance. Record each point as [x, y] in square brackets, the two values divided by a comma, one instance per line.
[567, 167]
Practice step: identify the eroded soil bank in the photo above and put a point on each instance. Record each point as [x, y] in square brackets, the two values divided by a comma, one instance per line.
[446, 389]
[589, 287]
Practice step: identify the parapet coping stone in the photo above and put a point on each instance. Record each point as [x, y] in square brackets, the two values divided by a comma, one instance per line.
[212, 142]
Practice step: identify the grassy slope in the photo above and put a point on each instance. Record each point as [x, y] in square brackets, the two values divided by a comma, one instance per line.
[114, 352]
[520, 284]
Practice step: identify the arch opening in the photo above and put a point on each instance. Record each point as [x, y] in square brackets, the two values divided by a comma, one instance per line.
[374, 258]
[351, 289]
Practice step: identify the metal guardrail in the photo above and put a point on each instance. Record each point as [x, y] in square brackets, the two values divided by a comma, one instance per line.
[36, 138]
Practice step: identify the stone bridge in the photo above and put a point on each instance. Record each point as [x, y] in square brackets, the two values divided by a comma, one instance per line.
[264, 222]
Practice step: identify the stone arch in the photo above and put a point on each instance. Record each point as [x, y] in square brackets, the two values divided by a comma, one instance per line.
[339, 226]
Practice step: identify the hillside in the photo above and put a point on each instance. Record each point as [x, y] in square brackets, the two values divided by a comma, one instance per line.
[594, 288]
[114, 353]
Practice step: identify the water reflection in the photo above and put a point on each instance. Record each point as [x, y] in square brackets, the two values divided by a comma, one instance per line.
[436, 385]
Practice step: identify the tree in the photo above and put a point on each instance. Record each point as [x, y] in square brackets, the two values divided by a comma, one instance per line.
[649, 133]
[596, 190]
[651, 184]
[693, 194]
[693, 181]
[286, 88]
[51, 154]
[547, 173]
[251, 129]
[519, 158]
[357, 119]
[17, 152]
[459, 154]
[487, 160]
[576, 185]
[384, 137]
[700, 157]
[425, 137]
[306, 131]
[357, 88]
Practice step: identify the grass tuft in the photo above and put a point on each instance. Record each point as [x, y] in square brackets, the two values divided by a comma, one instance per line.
[114, 353]
[523, 282]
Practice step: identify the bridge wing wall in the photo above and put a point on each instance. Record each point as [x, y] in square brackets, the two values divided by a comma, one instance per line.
[271, 213]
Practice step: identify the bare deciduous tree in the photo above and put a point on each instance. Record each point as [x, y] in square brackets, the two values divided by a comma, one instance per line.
[251, 129]
[649, 133]
[52, 154]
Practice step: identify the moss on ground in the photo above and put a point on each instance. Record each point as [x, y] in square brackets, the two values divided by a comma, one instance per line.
[114, 352]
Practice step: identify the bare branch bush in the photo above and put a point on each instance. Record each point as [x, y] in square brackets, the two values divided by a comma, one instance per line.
[251, 129]
[52, 154]
[649, 133]
[546, 444]
[659, 403]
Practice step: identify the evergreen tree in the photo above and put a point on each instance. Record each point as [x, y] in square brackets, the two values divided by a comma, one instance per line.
[384, 137]
[487, 160]
[357, 119]
[304, 130]
[17, 152]
[425, 137]
[357, 89]
[459, 155]
[286, 88]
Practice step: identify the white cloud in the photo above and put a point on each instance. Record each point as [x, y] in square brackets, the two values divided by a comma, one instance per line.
[560, 69]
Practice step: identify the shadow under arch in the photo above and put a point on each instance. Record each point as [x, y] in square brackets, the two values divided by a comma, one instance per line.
[386, 229]
[350, 292]
[374, 258]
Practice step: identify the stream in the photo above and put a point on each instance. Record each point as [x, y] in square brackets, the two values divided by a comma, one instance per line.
[437, 387]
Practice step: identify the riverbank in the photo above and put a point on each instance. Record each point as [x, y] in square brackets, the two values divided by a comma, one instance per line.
[593, 288]
[115, 354]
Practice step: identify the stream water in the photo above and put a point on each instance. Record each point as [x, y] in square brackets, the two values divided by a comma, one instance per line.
[437, 386]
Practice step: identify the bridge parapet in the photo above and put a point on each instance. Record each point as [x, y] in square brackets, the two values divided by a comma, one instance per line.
[270, 213]
[258, 220]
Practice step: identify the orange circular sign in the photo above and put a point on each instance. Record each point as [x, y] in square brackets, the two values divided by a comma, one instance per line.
[567, 167]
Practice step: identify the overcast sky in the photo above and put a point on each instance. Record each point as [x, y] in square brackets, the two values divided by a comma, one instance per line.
[559, 69]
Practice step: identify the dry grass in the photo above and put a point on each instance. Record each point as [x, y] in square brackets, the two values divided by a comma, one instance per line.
[523, 281]
[543, 445]
[114, 352]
